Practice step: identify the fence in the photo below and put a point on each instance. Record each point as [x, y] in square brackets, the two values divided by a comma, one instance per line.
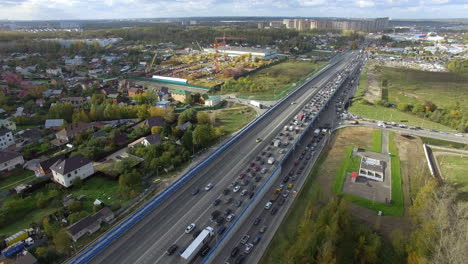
[131, 220]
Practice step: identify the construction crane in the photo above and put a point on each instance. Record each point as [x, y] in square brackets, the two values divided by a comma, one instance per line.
[222, 43]
[150, 66]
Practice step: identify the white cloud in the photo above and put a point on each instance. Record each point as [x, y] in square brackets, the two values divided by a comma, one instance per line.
[365, 3]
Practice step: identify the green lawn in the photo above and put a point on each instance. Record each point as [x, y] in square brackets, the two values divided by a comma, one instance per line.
[443, 143]
[377, 112]
[349, 164]
[98, 187]
[277, 80]
[412, 86]
[377, 141]
[454, 170]
[22, 223]
[234, 119]
[15, 178]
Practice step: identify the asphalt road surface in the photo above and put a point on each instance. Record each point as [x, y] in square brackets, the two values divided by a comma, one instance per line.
[148, 240]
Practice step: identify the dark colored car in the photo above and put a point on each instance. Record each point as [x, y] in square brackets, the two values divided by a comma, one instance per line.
[221, 229]
[227, 211]
[240, 259]
[258, 178]
[229, 200]
[257, 158]
[281, 201]
[274, 210]
[251, 195]
[238, 203]
[204, 250]
[257, 221]
[226, 191]
[216, 202]
[172, 249]
[286, 179]
[234, 251]
[196, 233]
[195, 191]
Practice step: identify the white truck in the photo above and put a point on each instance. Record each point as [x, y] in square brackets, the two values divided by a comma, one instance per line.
[277, 143]
[192, 250]
[271, 160]
[256, 104]
[317, 132]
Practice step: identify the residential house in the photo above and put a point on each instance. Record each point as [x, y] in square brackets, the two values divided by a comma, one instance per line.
[6, 138]
[163, 104]
[71, 130]
[77, 102]
[108, 90]
[151, 140]
[50, 93]
[90, 224]
[10, 160]
[75, 61]
[134, 91]
[180, 95]
[67, 170]
[8, 124]
[151, 122]
[184, 126]
[213, 101]
[54, 72]
[30, 135]
[40, 102]
[115, 98]
[43, 167]
[54, 123]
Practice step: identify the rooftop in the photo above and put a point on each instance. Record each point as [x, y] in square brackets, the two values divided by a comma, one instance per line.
[71, 164]
[7, 155]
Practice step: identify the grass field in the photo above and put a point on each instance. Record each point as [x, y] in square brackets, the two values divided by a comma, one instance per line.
[349, 164]
[412, 86]
[17, 177]
[443, 143]
[454, 170]
[277, 78]
[377, 112]
[234, 119]
[22, 223]
[377, 141]
[98, 187]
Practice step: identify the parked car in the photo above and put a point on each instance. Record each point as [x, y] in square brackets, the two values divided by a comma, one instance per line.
[248, 248]
[172, 249]
[195, 191]
[257, 220]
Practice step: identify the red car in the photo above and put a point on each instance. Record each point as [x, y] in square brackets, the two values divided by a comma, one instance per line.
[257, 169]
[242, 176]
[252, 164]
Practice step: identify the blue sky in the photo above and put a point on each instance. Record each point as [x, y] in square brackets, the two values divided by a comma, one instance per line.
[108, 9]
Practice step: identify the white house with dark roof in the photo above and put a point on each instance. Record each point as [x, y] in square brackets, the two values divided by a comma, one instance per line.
[10, 160]
[67, 170]
[6, 138]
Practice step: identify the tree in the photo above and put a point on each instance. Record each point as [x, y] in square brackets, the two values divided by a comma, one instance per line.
[203, 135]
[404, 107]
[418, 108]
[62, 241]
[156, 111]
[187, 140]
[156, 130]
[50, 228]
[398, 240]
[203, 118]
[187, 115]
[75, 206]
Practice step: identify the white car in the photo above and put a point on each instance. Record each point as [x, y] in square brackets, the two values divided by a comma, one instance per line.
[236, 189]
[230, 217]
[209, 186]
[190, 228]
[268, 205]
[248, 248]
[264, 170]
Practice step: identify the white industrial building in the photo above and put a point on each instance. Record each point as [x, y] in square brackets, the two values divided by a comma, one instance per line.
[372, 169]
[213, 101]
[65, 171]
[266, 54]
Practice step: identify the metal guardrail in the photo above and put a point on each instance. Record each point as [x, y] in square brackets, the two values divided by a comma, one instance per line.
[131, 220]
[272, 176]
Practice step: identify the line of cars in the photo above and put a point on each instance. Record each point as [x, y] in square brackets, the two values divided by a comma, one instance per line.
[284, 189]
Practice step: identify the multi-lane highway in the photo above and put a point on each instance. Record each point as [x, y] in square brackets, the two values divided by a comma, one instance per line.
[148, 240]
